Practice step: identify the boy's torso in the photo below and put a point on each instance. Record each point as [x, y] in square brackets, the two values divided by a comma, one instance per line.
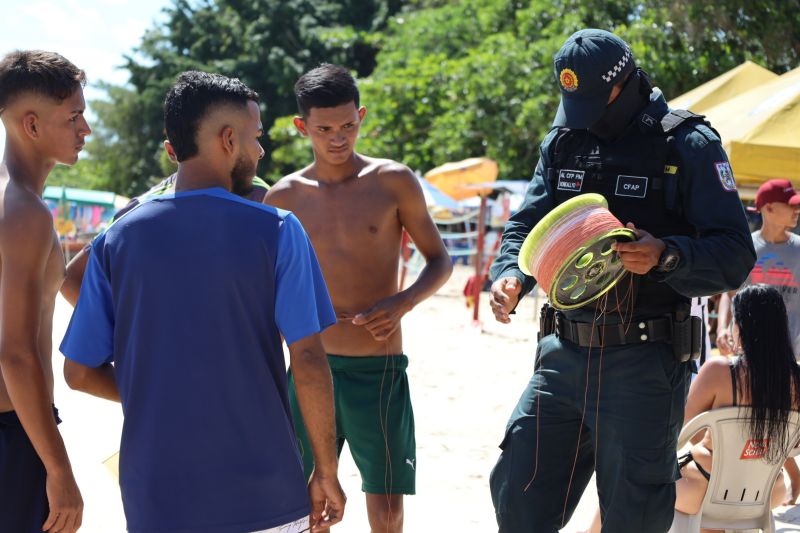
[355, 228]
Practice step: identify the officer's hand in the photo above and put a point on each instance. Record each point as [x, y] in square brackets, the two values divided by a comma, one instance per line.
[724, 342]
[505, 295]
[641, 255]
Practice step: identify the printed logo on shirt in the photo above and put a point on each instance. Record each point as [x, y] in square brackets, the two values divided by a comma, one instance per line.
[725, 175]
[411, 462]
[570, 180]
[776, 273]
[755, 449]
[632, 186]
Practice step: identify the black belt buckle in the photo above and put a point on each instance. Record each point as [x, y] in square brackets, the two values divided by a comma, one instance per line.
[686, 338]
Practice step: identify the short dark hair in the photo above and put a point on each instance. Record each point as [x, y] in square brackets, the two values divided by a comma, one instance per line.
[36, 71]
[325, 86]
[190, 99]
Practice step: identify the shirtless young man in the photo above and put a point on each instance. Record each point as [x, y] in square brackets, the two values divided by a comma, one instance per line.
[354, 209]
[41, 107]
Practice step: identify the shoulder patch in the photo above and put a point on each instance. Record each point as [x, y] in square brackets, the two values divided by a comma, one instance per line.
[725, 175]
[708, 133]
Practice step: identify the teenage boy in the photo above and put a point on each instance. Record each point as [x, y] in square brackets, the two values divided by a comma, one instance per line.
[41, 107]
[355, 209]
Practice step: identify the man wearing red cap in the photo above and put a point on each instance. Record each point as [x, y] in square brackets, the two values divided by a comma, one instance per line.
[778, 263]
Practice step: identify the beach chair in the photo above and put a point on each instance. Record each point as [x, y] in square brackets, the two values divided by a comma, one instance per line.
[738, 495]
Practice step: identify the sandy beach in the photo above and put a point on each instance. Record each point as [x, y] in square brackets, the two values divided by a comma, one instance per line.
[464, 382]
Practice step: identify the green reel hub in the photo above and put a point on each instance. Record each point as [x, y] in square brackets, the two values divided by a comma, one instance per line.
[589, 272]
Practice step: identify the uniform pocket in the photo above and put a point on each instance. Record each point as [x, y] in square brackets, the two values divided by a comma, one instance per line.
[649, 490]
[651, 466]
[669, 365]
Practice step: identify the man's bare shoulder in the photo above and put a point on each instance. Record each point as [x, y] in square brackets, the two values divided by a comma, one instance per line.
[288, 188]
[294, 181]
[397, 178]
[25, 221]
[394, 174]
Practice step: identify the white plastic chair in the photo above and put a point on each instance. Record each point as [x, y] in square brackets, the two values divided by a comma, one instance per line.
[739, 493]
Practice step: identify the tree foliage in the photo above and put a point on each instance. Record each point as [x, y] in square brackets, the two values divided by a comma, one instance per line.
[443, 79]
[475, 77]
[266, 43]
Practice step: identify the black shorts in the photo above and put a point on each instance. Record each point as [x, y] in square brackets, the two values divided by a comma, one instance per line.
[23, 496]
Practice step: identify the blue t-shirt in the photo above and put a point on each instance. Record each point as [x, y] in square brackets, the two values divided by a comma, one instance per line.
[188, 295]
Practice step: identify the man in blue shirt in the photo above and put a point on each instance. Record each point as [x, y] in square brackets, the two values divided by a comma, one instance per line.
[180, 318]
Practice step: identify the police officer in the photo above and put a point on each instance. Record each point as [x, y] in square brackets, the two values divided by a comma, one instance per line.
[616, 406]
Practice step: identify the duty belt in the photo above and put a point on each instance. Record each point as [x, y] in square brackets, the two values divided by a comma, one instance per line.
[585, 335]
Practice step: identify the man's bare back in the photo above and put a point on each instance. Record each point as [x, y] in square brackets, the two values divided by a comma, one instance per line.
[355, 226]
[18, 209]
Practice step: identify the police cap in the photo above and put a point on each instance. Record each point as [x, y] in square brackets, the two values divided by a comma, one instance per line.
[587, 67]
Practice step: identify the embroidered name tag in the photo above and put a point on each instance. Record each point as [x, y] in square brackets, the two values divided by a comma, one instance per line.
[570, 180]
[633, 186]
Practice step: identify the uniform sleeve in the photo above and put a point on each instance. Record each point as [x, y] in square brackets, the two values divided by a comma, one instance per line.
[537, 203]
[721, 255]
[89, 339]
[302, 304]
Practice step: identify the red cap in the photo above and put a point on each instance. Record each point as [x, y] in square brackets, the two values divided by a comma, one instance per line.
[776, 191]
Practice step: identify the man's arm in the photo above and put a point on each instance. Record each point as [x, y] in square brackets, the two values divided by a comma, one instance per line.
[97, 381]
[88, 342]
[302, 310]
[312, 377]
[721, 255]
[383, 319]
[510, 283]
[26, 245]
[725, 340]
[71, 288]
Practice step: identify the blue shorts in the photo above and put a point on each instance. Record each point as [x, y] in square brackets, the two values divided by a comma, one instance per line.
[23, 496]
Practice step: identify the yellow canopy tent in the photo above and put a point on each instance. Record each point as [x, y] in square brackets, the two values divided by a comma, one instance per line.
[455, 179]
[736, 81]
[760, 130]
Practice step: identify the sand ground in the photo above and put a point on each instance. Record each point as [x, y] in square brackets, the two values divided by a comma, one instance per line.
[464, 382]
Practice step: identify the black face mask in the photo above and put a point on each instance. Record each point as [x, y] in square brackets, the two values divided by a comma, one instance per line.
[634, 96]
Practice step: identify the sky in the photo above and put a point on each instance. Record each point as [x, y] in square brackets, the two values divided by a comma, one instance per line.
[93, 34]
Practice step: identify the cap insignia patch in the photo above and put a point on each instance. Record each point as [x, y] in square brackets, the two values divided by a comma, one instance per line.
[568, 79]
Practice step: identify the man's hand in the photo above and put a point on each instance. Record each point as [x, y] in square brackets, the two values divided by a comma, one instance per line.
[66, 504]
[383, 318]
[725, 342]
[505, 295]
[327, 501]
[641, 255]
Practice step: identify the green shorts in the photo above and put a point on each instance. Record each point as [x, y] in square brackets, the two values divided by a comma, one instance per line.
[374, 416]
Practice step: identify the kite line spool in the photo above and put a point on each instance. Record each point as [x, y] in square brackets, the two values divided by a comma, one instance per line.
[569, 251]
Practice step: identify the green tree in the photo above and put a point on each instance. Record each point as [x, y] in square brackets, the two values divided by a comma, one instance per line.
[266, 43]
[474, 77]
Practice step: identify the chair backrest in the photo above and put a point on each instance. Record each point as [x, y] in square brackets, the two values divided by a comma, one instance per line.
[738, 495]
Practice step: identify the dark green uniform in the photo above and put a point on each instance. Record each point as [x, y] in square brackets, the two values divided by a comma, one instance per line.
[619, 410]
